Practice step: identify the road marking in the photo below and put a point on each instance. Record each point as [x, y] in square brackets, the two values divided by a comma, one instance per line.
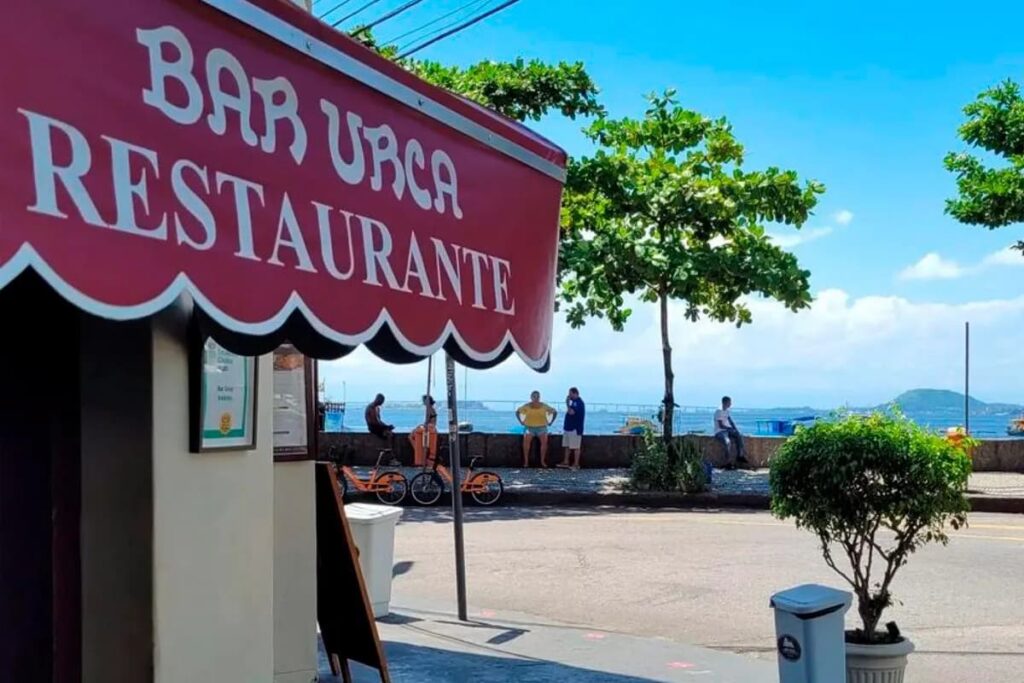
[727, 522]
[783, 525]
[981, 537]
[779, 524]
[1015, 527]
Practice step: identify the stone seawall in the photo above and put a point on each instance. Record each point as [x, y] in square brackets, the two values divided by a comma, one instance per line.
[603, 451]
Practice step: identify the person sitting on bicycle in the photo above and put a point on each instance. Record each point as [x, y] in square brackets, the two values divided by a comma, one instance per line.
[374, 423]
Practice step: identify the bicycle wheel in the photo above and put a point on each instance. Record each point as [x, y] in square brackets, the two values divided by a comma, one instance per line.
[426, 488]
[397, 487]
[486, 488]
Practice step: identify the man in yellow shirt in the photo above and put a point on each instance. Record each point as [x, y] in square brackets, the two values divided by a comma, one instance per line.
[536, 417]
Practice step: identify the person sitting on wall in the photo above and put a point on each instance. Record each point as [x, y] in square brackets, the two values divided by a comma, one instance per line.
[374, 423]
[726, 431]
[536, 417]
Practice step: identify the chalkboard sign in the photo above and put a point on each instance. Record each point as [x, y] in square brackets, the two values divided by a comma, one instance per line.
[343, 608]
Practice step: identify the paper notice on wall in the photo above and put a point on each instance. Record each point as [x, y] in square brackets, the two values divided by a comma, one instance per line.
[291, 419]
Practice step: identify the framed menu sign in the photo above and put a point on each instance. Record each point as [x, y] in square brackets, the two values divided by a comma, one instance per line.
[294, 414]
[224, 400]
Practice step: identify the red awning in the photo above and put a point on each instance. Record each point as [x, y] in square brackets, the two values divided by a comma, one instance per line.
[293, 183]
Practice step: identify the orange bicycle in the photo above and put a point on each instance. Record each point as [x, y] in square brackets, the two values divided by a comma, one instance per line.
[428, 486]
[390, 486]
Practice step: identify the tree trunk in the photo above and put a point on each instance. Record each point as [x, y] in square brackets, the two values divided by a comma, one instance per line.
[666, 354]
[869, 618]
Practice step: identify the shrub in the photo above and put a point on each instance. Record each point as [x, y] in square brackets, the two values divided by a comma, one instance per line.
[652, 468]
[877, 488]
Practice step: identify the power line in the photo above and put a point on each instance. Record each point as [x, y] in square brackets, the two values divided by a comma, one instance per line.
[461, 27]
[464, 16]
[398, 10]
[392, 41]
[338, 6]
[349, 16]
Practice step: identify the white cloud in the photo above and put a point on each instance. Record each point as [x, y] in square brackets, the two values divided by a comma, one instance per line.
[789, 240]
[844, 217]
[863, 351]
[796, 238]
[1004, 257]
[932, 267]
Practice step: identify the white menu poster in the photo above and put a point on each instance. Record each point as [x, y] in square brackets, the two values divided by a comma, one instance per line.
[228, 399]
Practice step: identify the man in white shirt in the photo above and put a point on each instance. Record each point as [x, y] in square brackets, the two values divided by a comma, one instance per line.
[725, 431]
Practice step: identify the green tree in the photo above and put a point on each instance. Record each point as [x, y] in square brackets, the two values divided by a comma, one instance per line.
[991, 196]
[665, 210]
[876, 489]
[521, 90]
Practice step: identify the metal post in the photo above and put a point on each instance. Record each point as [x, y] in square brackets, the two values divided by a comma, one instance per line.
[456, 465]
[426, 408]
[967, 377]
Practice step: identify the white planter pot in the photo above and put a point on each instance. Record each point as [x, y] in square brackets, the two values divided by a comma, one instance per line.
[877, 663]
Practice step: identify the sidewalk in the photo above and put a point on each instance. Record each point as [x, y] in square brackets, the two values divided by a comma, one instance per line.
[427, 644]
[988, 491]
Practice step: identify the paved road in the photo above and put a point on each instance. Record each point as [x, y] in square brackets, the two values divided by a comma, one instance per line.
[704, 578]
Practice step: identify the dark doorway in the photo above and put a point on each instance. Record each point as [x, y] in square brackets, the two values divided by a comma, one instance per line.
[40, 583]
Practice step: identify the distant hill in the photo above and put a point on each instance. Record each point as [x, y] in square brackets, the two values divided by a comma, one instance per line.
[942, 400]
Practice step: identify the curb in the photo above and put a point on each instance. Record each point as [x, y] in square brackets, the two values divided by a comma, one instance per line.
[525, 497]
[644, 499]
[1004, 504]
[748, 501]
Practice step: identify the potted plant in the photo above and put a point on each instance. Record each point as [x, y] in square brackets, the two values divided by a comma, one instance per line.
[874, 489]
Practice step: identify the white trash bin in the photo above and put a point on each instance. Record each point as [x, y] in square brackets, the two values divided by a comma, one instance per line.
[373, 530]
[810, 640]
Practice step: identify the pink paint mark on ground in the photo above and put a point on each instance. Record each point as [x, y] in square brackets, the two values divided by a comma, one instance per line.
[680, 665]
[488, 613]
[595, 636]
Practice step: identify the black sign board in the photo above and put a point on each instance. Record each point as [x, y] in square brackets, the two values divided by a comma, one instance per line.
[342, 606]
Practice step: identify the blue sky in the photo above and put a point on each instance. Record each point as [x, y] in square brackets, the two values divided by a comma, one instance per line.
[865, 97]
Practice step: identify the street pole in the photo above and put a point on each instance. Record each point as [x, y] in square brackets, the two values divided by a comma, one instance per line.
[427, 407]
[456, 465]
[967, 377]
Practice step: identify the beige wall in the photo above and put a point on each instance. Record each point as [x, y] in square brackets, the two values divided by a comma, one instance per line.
[213, 538]
[295, 656]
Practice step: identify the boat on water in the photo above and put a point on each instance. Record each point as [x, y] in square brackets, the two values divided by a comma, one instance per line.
[1016, 427]
[784, 427]
[637, 425]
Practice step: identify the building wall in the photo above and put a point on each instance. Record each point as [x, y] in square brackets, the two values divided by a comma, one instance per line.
[295, 655]
[213, 540]
[117, 500]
